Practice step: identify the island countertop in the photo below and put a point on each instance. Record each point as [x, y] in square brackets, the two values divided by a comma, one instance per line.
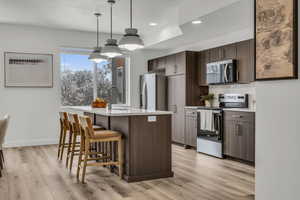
[116, 111]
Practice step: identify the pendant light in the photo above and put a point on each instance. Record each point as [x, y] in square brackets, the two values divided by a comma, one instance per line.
[131, 40]
[95, 56]
[111, 48]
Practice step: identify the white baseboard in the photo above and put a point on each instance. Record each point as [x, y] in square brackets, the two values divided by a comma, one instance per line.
[26, 143]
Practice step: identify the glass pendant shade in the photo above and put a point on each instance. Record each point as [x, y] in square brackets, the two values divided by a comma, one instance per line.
[111, 49]
[131, 40]
[96, 57]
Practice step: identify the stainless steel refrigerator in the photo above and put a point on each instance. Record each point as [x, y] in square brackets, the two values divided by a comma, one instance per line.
[153, 92]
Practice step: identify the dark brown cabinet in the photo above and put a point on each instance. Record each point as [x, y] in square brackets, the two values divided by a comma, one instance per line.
[202, 61]
[245, 61]
[243, 52]
[239, 135]
[229, 51]
[215, 54]
[190, 132]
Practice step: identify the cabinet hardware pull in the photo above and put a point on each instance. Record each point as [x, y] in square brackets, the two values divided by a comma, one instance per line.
[238, 130]
[237, 116]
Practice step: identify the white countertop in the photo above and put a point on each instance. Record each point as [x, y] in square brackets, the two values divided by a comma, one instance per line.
[225, 109]
[117, 111]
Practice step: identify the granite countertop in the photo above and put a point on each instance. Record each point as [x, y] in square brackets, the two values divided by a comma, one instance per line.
[225, 109]
[116, 111]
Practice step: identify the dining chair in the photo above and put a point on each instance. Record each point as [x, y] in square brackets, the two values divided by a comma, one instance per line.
[3, 130]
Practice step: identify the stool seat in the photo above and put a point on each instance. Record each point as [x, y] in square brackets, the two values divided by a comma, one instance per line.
[105, 134]
[98, 128]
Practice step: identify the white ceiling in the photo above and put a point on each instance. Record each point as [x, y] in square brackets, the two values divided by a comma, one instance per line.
[78, 15]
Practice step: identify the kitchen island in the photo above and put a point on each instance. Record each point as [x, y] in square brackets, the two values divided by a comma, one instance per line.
[147, 139]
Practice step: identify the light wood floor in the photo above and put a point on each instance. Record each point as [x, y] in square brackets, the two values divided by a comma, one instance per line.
[33, 173]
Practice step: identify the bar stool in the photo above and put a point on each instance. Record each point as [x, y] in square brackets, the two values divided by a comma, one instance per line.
[65, 129]
[90, 137]
[3, 129]
[74, 146]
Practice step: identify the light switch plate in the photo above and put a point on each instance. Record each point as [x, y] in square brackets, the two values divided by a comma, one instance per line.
[151, 118]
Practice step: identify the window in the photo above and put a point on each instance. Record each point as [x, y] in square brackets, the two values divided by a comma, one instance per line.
[82, 80]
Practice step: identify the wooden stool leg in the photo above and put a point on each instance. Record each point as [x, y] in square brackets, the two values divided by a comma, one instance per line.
[2, 155]
[86, 152]
[73, 151]
[60, 141]
[80, 157]
[69, 148]
[120, 157]
[63, 144]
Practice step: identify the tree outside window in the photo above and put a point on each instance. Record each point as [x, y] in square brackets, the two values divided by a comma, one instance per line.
[82, 81]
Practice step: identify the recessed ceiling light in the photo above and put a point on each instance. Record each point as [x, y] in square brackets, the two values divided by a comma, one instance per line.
[152, 24]
[196, 22]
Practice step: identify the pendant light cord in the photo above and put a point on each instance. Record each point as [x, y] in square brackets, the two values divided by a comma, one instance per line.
[130, 13]
[111, 9]
[97, 31]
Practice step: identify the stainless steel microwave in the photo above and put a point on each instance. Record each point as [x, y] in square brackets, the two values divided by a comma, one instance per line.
[222, 72]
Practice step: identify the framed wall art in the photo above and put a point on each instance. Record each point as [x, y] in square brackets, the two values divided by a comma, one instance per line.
[276, 34]
[28, 70]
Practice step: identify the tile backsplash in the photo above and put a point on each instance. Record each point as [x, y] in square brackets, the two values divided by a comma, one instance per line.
[235, 89]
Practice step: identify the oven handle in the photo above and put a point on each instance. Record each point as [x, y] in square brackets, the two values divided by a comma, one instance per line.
[225, 72]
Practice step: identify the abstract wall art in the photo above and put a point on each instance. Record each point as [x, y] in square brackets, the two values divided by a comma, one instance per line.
[276, 39]
[28, 70]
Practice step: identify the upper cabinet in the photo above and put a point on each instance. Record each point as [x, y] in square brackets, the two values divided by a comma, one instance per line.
[215, 54]
[229, 51]
[245, 61]
[176, 64]
[243, 52]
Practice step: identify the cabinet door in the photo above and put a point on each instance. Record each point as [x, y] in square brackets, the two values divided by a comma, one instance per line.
[179, 99]
[170, 65]
[245, 63]
[215, 54]
[176, 92]
[161, 63]
[180, 63]
[246, 136]
[171, 103]
[190, 130]
[203, 59]
[230, 139]
[229, 51]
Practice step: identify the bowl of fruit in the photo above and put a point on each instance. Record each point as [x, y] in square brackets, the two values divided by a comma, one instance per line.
[99, 103]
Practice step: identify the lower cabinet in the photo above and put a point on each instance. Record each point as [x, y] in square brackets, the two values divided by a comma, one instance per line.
[190, 130]
[239, 135]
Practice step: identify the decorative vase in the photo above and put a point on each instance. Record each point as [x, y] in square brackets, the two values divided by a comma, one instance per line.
[208, 103]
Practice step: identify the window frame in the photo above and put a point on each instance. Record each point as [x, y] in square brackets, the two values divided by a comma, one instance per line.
[83, 51]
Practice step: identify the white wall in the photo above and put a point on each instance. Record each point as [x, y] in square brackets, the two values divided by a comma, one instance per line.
[278, 140]
[34, 111]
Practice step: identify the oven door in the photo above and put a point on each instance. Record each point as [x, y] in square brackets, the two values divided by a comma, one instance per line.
[214, 73]
[217, 134]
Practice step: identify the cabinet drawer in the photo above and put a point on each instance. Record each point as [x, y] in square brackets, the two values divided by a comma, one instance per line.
[239, 116]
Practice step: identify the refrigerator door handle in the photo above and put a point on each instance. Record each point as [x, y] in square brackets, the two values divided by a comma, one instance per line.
[143, 95]
[175, 108]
